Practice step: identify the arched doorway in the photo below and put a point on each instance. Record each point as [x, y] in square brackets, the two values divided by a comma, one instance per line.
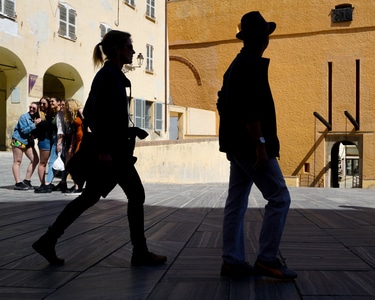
[62, 80]
[13, 89]
[345, 165]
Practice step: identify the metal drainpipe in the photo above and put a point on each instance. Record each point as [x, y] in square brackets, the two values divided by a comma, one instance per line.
[166, 69]
[117, 21]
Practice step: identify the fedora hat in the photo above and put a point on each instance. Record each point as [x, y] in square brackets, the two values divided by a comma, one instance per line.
[254, 25]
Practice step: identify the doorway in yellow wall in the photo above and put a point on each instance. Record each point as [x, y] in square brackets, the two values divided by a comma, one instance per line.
[345, 165]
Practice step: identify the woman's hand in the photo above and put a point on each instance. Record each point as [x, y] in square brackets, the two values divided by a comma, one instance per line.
[58, 147]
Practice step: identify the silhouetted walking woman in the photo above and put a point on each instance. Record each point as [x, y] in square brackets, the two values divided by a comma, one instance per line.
[107, 150]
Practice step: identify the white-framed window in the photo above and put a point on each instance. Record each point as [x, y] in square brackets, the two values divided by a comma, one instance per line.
[130, 2]
[104, 28]
[8, 8]
[67, 21]
[149, 58]
[150, 8]
[148, 114]
[158, 122]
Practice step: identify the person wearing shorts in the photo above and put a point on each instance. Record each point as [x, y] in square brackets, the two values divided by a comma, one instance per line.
[23, 143]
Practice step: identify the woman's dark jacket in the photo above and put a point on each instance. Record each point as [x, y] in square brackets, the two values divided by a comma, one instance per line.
[106, 114]
[106, 111]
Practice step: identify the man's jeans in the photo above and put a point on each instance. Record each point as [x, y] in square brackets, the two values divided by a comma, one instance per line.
[269, 179]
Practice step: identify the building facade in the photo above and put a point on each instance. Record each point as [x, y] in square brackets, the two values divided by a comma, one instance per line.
[46, 50]
[321, 75]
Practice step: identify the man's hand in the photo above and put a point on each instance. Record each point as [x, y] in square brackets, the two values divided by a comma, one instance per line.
[261, 154]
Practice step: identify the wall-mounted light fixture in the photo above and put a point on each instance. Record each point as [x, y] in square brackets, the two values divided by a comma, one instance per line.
[131, 67]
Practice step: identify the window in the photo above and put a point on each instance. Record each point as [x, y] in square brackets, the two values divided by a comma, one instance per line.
[158, 116]
[342, 13]
[104, 28]
[8, 8]
[145, 113]
[130, 2]
[149, 58]
[150, 9]
[139, 108]
[148, 106]
[67, 21]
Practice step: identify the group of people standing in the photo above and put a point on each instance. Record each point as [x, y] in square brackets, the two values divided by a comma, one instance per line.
[56, 124]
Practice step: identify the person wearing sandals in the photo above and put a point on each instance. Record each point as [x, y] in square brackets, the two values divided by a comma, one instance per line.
[248, 136]
[105, 164]
[23, 143]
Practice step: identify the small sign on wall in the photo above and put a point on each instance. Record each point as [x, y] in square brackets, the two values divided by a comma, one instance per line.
[35, 86]
[15, 95]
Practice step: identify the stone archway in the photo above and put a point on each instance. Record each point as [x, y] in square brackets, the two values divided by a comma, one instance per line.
[13, 94]
[63, 81]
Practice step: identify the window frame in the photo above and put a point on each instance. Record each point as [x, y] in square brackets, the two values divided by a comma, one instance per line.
[150, 9]
[149, 58]
[130, 2]
[148, 115]
[8, 8]
[70, 22]
[104, 29]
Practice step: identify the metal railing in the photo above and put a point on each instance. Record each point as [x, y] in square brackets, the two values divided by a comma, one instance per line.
[308, 180]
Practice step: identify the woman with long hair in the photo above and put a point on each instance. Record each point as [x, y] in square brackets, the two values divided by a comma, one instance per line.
[42, 133]
[109, 147]
[54, 134]
[74, 116]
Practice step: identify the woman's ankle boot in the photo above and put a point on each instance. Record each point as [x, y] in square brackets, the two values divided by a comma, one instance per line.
[45, 246]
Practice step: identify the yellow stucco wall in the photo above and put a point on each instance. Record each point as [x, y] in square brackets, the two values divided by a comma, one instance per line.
[304, 43]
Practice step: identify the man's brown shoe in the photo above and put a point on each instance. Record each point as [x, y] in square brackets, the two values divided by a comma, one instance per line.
[236, 270]
[273, 269]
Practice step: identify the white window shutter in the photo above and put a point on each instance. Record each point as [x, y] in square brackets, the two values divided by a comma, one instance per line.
[158, 116]
[72, 24]
[63, 20]
[10, 8]
[139, 113]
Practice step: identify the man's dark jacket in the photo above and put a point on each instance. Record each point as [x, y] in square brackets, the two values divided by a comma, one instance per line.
[246, 97]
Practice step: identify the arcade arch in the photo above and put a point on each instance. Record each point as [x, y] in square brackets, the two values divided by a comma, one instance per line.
[18, 88]
[63, 81]
[13, 83]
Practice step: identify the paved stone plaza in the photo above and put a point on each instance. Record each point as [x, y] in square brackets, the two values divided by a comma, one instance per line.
[329, 240]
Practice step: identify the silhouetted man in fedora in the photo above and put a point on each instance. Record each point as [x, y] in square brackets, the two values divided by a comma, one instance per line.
[248, 136]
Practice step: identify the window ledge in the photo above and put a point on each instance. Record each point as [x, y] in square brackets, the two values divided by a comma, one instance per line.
[150, 18]
[130, 5]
